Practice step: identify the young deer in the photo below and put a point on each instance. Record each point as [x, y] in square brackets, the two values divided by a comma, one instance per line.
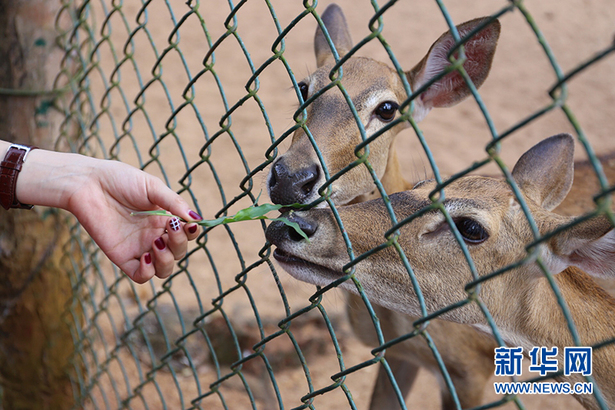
[377, 91]
[496, 233]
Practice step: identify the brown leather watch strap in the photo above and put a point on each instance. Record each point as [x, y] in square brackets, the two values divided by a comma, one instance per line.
[9, 171]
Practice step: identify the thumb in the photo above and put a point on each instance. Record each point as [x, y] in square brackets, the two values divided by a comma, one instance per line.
[161, 195]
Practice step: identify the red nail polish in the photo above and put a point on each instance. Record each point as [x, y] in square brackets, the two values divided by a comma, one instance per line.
[195, 216]
[192, 229]
[147, 258]
[159, 243]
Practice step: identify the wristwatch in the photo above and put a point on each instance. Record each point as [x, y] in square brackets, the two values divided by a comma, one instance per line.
[9, 171]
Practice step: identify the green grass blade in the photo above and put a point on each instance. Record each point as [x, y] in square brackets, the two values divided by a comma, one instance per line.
[248, 214]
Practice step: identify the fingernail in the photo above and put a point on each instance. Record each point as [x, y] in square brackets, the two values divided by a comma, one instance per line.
[147, 258]
[159, 243]
[174, 223]
[195, 216]
[192, 229]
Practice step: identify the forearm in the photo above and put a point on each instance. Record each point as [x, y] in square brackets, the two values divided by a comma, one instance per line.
[50, 178]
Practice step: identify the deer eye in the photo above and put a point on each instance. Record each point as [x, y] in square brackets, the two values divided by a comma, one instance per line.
[303, 88]
[386, 111]
[471, 231]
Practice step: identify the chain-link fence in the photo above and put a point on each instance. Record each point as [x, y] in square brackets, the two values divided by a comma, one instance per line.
[204, 94]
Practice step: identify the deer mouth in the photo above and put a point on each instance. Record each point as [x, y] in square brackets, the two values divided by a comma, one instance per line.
[305, 270]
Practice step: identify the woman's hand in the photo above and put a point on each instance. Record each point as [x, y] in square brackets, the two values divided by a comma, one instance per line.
[102, 194]
[137, 244]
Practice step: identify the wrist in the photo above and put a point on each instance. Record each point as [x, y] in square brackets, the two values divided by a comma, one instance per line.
[50, 178]
[4, 146]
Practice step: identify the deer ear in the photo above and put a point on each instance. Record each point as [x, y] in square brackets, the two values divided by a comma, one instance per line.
[335, 22]
[452, 89]
[544, 173]
[589, 245]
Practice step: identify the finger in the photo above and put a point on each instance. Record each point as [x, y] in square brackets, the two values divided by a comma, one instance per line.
[163, 258]
[192, 231]
[177, 240]
[143, 269]
[163, 196]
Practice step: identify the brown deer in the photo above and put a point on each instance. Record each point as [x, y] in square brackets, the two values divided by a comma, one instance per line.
[493, 226]
[377, 91]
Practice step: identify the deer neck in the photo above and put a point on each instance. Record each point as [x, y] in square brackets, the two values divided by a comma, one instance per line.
[539, 321]
[392, 180]
[539, 314]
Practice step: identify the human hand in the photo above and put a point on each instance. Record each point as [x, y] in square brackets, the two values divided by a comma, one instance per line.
[141, 246]
[102, 194]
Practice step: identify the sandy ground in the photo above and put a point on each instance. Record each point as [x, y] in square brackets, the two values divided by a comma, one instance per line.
[517, 87]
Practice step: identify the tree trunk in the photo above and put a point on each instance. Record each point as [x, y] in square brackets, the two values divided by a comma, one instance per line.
[35, 292]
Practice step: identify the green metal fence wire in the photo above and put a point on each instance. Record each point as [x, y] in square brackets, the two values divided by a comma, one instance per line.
[139, 91]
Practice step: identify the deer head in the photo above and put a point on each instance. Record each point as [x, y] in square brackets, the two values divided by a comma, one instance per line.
[489, 219]
[376, 91]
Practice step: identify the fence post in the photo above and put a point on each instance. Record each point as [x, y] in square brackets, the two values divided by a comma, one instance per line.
[35, 341]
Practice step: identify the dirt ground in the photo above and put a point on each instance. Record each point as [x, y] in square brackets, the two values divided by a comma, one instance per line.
[516, 88]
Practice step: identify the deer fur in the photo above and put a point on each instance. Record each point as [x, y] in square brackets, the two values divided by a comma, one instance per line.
[520, 300]
[297, 175]
[369, 83]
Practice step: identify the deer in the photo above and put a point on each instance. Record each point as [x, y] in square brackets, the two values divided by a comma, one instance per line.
[493, 226]
[297, 175]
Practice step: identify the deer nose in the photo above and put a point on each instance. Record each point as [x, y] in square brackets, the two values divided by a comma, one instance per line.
[287, 187]
[278, 232]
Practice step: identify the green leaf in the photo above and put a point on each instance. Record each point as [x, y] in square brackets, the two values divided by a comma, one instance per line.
[254, 212]
[293, 225]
